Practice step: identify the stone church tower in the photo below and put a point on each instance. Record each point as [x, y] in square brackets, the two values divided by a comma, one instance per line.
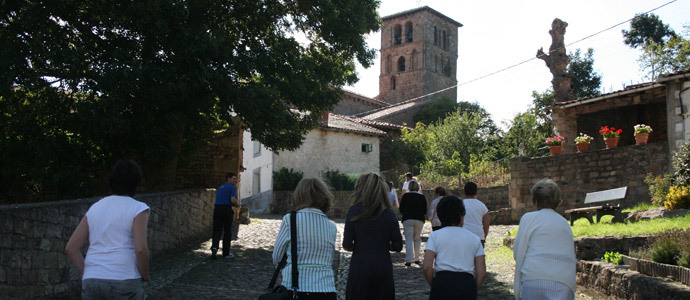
[419, 53]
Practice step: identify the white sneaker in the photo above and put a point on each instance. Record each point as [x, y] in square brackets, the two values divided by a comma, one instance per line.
[230, 255]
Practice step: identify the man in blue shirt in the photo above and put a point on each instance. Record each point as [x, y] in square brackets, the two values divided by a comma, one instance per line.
[226, 198]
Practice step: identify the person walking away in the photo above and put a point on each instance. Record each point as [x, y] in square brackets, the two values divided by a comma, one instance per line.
[544, 249]
[454, 260]
[408, 178]
[393, 195]
[431, 214]
[371, 232]
[477, 218]
[226, 198]
[413, 210]
[117, 260]
[315, 242]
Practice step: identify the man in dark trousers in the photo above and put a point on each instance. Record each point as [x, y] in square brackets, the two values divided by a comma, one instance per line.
[226, 198]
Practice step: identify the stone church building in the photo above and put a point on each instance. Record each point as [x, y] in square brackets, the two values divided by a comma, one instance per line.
[419, 53]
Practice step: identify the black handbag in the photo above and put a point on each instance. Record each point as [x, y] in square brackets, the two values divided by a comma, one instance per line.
[280, 292]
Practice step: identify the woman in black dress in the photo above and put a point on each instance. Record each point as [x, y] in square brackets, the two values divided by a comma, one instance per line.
[371, 232]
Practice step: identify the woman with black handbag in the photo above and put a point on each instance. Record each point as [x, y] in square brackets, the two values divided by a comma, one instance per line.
[315, 237]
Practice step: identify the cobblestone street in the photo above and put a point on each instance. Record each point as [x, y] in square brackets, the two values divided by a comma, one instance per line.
[192, 274]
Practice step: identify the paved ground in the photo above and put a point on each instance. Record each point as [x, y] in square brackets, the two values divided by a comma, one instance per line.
[191, 274]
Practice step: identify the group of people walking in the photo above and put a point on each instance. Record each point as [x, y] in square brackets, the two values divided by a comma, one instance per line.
[116, 266]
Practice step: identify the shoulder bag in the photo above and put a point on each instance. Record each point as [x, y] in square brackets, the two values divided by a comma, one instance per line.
[280, 292]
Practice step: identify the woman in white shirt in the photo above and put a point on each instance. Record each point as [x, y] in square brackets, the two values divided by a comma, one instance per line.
[544, 249]
[117, 261]
[315, 242]
[431, 214]
[454, 264]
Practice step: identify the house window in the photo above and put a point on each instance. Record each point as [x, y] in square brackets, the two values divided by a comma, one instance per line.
[388, 64]
[393, 83]
[366, 148]
[401, 64]
[435, 35]
[408, 32]
[445, 40]
[256, 181]
[257, 148]
[397, 35]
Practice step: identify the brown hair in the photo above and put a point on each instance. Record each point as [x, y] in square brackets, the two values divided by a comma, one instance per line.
[439, 190]
[372, 193]
[312, 192]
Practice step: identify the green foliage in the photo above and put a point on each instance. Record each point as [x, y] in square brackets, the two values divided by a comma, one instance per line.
[678, 197]
[524, 128]
[681, 165]
[658, 187]
[584, 81]
[613, 257]
[151, 81]
[286, 180]
[645, 29]
[435, 111]
[643, 227]
[669, 57]
[667, 247]
[446, 146]
[339, 181]
[487, 173]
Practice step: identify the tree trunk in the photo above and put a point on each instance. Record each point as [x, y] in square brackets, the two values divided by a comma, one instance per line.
[557, 62]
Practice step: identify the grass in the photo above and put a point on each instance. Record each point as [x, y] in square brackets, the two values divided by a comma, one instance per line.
[641, 207]
[581, 227]
[499, 255]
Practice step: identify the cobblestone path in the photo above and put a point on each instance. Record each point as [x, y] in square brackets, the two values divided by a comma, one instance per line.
[191, 274]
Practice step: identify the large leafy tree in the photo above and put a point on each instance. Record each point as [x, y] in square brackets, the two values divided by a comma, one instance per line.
[444, 106]
[646, 29]
[584, 80]
[668, 57]
[150, 80]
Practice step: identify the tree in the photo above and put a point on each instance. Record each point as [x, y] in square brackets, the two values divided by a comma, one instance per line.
[525, 129]
[585, 82]
[435, 111]
[646, 29]
[668, 57]
[151, 80]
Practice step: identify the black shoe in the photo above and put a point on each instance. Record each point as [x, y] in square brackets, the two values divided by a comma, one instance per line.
[214, 252]
[408, 264]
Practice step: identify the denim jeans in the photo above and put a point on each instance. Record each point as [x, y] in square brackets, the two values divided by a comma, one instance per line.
[92, 288]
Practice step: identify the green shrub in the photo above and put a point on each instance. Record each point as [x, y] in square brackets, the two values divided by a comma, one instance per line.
[658, 187]
[286, 180]
[339, 181]
[678, 197]
[681, 165]
[684, 260]
[613, 257]
[668, 247]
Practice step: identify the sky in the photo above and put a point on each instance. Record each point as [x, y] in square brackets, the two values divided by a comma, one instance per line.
[498, 34]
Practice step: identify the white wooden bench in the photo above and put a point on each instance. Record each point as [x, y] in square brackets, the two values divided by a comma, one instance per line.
[610, 205]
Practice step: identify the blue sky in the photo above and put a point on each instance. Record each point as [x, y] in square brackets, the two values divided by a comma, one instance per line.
[497, 34]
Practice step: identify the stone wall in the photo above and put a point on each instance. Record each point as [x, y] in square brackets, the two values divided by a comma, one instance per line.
[33, 264]
[579, 173]
[618, 282]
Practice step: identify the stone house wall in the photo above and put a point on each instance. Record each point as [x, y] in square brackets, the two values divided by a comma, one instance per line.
[579, 173]
[324, 150]
[677, 103]
[33, 264]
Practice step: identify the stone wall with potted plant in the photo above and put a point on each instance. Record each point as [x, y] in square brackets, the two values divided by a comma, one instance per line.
[582, 142]
[555, 144]
[642, 132]
[611, 136]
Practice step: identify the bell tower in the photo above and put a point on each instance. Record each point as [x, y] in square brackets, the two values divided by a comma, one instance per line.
[419, 53]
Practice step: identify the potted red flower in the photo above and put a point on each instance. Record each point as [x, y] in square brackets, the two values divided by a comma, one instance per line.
[555, 144]
[611, 136]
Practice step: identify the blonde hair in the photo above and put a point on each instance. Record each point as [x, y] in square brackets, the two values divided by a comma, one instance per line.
[371, 191]
[413, 186]
[313, 193]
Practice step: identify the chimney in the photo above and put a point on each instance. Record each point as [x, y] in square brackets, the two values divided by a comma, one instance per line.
[324, 117]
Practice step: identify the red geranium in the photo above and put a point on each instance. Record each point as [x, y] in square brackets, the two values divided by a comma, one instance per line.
[612, 132]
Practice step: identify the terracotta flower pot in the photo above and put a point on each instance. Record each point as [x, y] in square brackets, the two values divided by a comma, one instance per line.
[555, 150]
[582, 147]
[611, 143]
[641, 138]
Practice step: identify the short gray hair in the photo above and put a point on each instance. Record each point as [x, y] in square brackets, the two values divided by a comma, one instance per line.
[545, 194]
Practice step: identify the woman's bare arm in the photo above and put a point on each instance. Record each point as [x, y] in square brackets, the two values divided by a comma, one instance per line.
[141, 249]
[73, 247]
